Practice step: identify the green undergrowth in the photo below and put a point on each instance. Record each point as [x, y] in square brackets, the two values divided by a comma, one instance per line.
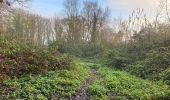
[119, 85]
[17, 59]
[52, 85]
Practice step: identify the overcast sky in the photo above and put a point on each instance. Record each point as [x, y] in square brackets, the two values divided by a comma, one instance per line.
[123, 8]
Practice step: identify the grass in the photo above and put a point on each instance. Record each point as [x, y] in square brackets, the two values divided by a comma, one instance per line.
[54, 84]
[119, 85]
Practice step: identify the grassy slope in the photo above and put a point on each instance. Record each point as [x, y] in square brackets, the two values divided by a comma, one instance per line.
[119, 85]
[56, 84]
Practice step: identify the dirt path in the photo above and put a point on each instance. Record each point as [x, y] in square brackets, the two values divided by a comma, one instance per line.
[82, 95]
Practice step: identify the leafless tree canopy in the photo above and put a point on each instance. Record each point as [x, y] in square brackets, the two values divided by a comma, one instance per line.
[4, 9]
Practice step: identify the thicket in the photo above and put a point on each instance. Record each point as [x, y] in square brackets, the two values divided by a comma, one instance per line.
[147, 55]
[142, 46]
[83, 50]
[17, 59]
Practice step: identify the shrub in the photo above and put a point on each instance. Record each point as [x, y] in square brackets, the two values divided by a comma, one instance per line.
[90, 50]
[136, 69]
[156, 62]
[116, 59]
[166, 76]
[78, 49]
[16, 60]
[153, 65]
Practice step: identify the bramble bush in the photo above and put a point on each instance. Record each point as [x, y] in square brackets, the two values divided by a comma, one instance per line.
[17, 60]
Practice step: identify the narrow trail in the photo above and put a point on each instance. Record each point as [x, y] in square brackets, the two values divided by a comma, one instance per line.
[82, 95]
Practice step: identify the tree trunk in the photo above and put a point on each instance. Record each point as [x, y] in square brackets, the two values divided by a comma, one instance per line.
[2, 6]
[94, 31]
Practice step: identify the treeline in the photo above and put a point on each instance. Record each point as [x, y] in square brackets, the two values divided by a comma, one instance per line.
[80, 32]
[83, 31]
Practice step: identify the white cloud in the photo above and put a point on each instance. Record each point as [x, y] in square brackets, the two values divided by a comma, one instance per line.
[126, 7]
[133, 4]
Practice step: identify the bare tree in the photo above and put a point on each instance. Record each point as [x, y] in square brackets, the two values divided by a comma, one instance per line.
[95, 17]
[28, 28]
[4, 8]
[73, 20]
